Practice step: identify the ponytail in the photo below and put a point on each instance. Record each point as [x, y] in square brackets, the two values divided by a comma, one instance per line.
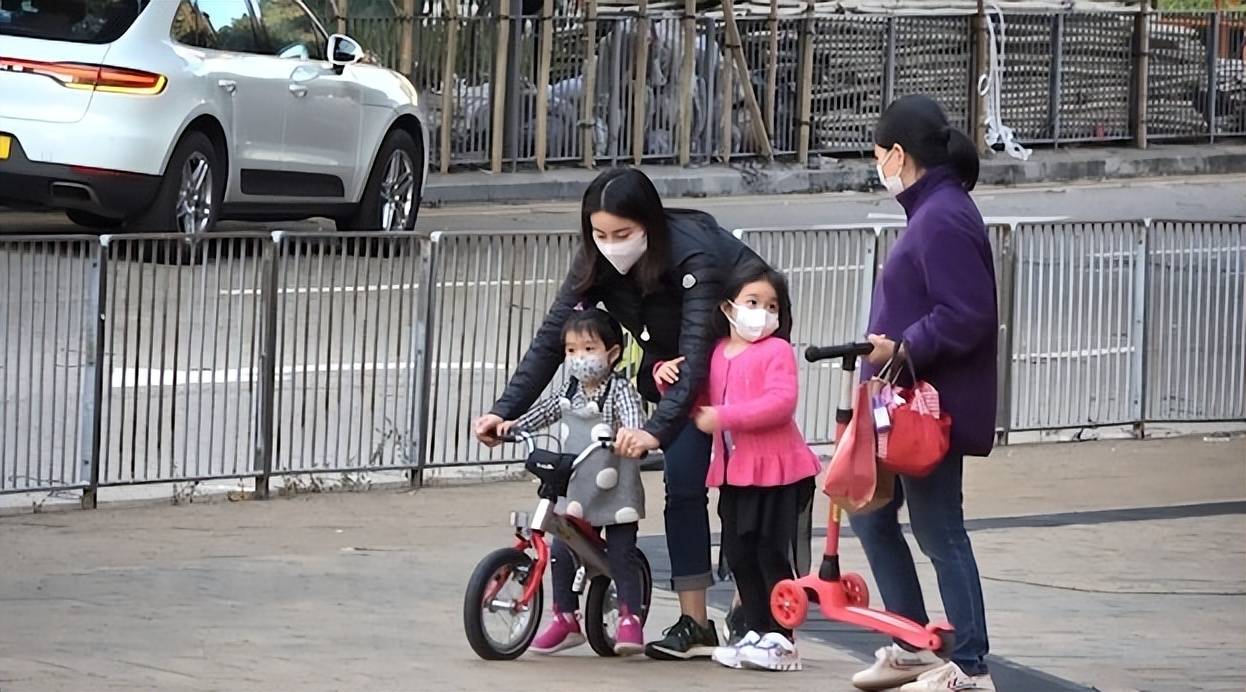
[919, 124]
[963, 157]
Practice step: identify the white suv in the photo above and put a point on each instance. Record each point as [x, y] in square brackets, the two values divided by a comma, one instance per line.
[168, 115]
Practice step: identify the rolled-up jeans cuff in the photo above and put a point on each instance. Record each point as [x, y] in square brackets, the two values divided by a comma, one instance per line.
[693, 582]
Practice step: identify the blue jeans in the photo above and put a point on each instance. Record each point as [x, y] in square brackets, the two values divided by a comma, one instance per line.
[687, 509]
[938, 521]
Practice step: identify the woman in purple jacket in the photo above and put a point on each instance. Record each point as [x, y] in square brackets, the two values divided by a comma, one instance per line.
[934, 306]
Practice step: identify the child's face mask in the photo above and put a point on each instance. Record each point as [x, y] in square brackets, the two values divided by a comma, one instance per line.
[752, 324]
[587, 359]
[588, 369]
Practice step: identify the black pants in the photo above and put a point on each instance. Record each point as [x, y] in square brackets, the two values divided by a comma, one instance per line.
[620, 546]
[758, 527]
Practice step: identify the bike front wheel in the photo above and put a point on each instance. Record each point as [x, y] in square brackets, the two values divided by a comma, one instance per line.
[499, 627]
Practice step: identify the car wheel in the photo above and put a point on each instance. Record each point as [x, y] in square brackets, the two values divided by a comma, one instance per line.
[88, 220]
[391, 199]
[189, 198]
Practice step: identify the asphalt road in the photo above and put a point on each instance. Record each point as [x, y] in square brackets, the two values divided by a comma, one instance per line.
[182, 343]
[1207, 197]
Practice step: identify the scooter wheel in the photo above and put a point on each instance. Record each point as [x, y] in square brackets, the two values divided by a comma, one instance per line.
[789, 604]
[857, 591]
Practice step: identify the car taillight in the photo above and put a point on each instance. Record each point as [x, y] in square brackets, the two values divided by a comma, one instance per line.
[90, 77]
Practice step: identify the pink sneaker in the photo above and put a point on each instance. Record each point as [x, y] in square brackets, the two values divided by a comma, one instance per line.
[561, 634]
[630, 639]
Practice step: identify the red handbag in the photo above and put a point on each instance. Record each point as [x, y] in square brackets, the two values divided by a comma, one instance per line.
[920, 433]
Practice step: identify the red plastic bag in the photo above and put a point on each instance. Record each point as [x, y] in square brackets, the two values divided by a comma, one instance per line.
[853, 472]
[920, 433]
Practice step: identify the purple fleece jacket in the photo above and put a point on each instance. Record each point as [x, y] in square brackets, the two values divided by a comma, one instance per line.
[937, 293]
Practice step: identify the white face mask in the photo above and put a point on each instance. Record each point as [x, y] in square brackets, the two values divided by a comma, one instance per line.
[893, 183]
[753, 324]
[624, 254]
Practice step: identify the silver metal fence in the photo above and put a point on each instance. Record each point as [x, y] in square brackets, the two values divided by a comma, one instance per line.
[47, 344]
[1196, 321]
[490, 294]
[1077, 325]
[181, 351]
[143, 359]
[347, 319]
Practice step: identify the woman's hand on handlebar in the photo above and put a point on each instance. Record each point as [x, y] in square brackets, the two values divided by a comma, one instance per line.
[489, 427]
[884, 349]
[633, 443]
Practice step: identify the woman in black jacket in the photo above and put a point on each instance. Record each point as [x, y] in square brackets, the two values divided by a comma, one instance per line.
[660, 272]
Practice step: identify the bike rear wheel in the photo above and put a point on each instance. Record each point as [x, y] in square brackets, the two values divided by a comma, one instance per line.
[601, 610]
[498, 627]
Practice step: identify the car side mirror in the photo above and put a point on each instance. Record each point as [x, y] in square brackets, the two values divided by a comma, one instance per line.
[343, 51]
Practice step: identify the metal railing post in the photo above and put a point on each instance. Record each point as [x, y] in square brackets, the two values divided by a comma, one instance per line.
[500, 81]
[264, 451]
[588, 106]
[1141, 80]
[804, 90]
[889, 64]
[1057, 76]
[423, 330]
[981, 57]
[1139, 332]
[514, 95]
[92, 399]
[1007, 314]
[1213, 50]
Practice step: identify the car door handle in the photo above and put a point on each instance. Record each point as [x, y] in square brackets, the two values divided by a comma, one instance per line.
[298, 90]
[229, 85]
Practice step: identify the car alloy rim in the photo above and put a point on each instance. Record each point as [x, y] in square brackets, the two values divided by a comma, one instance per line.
[397, 191]
[194, 197]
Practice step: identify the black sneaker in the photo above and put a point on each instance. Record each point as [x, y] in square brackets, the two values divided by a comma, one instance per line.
[683, 641]
[733, 626]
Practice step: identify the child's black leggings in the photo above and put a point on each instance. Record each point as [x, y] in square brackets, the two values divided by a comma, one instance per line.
[758, 525]
[620, 546]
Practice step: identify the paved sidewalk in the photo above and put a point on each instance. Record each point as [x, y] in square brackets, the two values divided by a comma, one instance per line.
[1117, 565]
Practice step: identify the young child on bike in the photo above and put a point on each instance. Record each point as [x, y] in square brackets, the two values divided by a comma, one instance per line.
[761, 465]
[605, 491]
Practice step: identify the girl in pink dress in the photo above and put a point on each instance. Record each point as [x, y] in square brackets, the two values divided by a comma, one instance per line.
[761, 465]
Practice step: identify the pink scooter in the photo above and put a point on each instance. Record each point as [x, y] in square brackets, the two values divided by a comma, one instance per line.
[846, 597]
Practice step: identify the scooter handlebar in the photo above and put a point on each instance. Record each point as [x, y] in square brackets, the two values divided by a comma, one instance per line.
[818, 353]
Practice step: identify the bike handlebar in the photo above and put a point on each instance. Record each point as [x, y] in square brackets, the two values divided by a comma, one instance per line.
[817, 353]
[528, 438]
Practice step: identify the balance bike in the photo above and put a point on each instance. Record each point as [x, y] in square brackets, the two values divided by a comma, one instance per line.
[505, 597]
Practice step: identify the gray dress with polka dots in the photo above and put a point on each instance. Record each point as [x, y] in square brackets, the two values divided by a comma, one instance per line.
[605, 489]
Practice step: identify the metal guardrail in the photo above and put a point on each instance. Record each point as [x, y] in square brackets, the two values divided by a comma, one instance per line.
[662, 86]
[144, 359]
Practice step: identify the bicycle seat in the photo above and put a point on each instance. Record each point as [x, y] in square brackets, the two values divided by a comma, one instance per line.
[553, 470]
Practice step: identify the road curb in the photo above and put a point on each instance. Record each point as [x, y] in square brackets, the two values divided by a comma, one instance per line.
[837, 175]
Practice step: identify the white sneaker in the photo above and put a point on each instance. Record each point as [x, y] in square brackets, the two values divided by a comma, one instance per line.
[729, 656]
[895, 666]
[950, 677]
[774, 653]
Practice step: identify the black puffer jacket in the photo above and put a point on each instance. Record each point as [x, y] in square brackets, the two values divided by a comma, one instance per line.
[676, 319]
